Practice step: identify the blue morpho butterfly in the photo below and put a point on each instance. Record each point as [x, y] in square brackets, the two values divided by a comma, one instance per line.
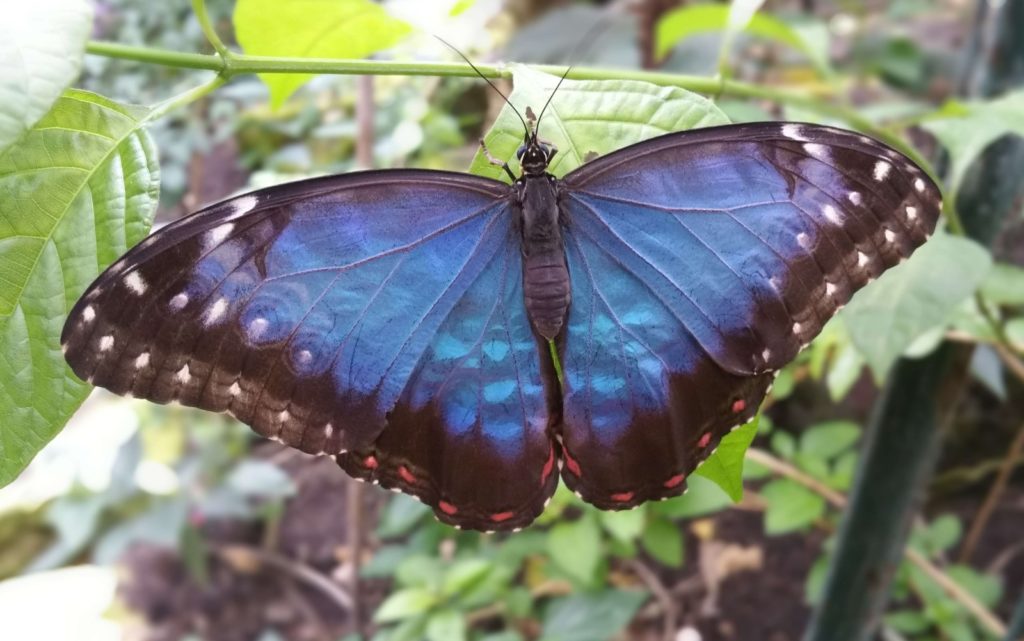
[468, 341]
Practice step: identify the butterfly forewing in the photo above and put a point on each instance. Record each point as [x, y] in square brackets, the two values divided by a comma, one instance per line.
[354, 313]
[701, 263]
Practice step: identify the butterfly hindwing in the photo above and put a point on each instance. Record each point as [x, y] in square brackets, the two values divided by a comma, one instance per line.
[701, 263]
[354, 313]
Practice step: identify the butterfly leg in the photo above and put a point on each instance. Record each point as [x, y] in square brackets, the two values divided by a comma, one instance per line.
[497, 162]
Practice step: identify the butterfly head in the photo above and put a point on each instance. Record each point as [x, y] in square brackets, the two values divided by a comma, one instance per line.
[535, 155]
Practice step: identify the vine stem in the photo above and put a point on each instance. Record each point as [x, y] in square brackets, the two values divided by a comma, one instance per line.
[951, 587]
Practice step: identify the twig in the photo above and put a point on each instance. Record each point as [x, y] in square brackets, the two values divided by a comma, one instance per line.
[972, 605]
[242, 556]
[657, 588]
[988, 506]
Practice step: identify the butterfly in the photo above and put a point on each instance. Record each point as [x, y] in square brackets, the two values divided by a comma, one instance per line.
[470, 342]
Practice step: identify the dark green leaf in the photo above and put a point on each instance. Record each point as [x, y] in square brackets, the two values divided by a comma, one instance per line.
[590, 617]
[76, 192]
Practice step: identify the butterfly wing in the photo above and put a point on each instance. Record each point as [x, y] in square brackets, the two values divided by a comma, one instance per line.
[701, 263]
[375, 317]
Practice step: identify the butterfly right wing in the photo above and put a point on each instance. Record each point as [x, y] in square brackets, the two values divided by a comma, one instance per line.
[348, 314]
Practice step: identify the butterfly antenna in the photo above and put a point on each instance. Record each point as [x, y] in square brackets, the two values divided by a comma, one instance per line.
[487, 80]
[553, 92]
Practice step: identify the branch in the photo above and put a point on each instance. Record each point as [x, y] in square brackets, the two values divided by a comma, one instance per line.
[972, 605]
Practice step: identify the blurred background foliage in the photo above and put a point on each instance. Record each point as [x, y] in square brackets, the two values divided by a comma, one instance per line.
[167, 524]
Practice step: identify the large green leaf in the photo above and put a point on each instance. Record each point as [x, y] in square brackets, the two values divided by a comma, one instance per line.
[965, 130]
[908, 300]
[590, 117]
[41, 45]
[725, 465]
[590, 616]
[76, 192]
[312, 29]
[684, 22]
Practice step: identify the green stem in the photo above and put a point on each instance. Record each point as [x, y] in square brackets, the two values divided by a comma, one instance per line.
[184, 98]
[199, 7]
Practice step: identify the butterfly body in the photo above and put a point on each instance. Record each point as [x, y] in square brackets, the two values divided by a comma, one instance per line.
[407, 322]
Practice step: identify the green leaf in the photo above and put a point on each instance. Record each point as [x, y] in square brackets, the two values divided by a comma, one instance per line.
[405, 604]
[1004, 285]
[624, 525]
[985, 588]
[590, 617]
[908, 621]
[575, 546]
[828, 440]
[663, 540]
[886, 316]
[312, 29]
[680, 24]
[590, 117]
[725, 465]
[790, 506]
[446, 625]
[464, 575]
[260, 479]
[966, 129]
[702, 497]
[76, 192]
[401, 514]
[41, 44]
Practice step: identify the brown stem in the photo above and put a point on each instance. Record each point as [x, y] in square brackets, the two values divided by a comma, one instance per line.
[661, 593]
[988, 506]
[243, 556]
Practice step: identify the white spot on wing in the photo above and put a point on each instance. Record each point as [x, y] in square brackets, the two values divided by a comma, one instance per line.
[889, 236]
[242, 205]
[88, 314]
[830, 289]
[257, 327]
[918, 184]
[214, 313]
[234, 390]
[854, 197]
[328, 430]
[183, 375]
[911, 213]
[178, 302]
[142, 360]
[793, 131]
[804, 240]
[766, 354]
[106, 343]
[882, 169]
[797, 328]
[818, 151]
[217, 235]
[284, 416]
[862, 259]
[832, 214]
[135, 283]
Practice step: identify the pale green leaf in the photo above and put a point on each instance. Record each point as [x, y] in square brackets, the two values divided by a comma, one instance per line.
[725, 465]
[1004, 285]
[966, 129]
[41, 45]
[825, 441]
[790, 506]
[576, 547]
[590, 117]
[590, 616]
[312, 29]
[446, 625]
[405, 604]
[624, 525]
[684, 22]
[76, 192]
[702, 497]
[663, 540]
[887, 316]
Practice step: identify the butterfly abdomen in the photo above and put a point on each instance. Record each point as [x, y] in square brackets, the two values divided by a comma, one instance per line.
[546, 289]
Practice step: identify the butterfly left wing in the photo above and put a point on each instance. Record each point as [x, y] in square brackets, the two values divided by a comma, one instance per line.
[701, 263]
[375, 316]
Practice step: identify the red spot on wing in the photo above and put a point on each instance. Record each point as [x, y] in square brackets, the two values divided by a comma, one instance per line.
[502, 516]
[571, 463]
[704, 440]
[406, 475]
[370, 462]
[674, 481]
[447, 507]
[738, 406]
[548, 466]
[622, 496]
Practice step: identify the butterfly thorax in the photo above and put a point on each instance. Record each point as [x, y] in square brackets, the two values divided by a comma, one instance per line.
[545, 274]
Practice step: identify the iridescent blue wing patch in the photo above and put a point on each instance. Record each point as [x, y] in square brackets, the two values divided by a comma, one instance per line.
[375, 317]
[701, 263]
